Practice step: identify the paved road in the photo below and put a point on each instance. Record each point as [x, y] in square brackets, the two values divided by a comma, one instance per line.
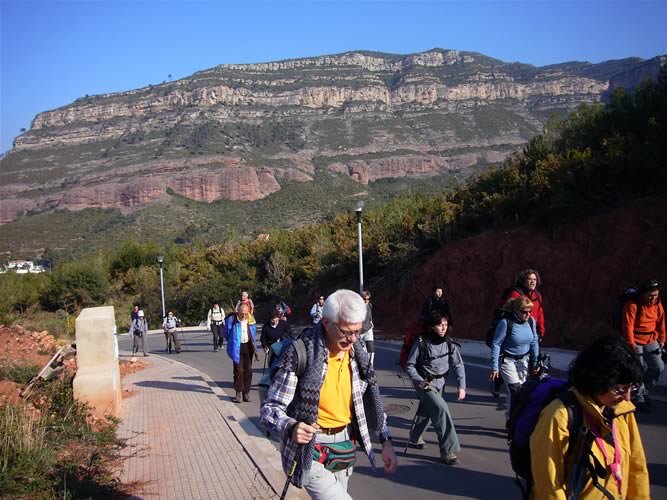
[485, 471]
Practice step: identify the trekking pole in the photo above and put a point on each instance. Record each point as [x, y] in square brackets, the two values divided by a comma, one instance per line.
[405, 386]
[289, 478]
[266, 355]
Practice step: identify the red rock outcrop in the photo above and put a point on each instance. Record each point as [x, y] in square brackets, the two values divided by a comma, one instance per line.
[583, 266]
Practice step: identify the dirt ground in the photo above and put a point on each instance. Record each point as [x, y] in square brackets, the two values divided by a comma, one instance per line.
[25, 347]
[21, 347]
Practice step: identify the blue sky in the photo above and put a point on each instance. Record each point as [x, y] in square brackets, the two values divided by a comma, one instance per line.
[52, 52]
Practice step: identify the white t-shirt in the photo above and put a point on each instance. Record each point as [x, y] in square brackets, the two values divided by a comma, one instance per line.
[244, 331]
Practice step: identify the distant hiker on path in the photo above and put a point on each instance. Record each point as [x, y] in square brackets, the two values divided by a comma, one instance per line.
[514, 344]
[643, 324]
[316, 310]
[367, 326]
[245, 299]
[134, 314]
[139, 329]
[603, 377]
[435, 302]
[215, 321]
[333, 405]
[240, 333]
[432, 356]
[169, 326]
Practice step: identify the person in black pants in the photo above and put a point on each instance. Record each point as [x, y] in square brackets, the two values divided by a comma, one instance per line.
[216, 323]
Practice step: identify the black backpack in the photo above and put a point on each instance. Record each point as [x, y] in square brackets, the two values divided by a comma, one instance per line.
[423, 354]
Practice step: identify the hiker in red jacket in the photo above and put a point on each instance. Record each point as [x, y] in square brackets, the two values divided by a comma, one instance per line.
[526, 283]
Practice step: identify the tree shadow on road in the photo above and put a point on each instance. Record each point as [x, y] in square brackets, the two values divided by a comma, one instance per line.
[174, 386]
[431, 475]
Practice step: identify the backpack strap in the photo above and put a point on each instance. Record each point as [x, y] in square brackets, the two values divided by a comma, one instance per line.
[580, 441]
[301, 356]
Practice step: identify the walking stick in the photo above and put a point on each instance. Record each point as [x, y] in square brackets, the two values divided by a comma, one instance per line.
[289, 478]
[266, 355]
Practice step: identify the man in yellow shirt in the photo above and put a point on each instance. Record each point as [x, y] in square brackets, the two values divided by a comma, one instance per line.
[333, 404]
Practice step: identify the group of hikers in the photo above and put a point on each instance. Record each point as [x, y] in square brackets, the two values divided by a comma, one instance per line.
[321, 394]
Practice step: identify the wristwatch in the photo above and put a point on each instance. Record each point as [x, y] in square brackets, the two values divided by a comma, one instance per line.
[383, 439]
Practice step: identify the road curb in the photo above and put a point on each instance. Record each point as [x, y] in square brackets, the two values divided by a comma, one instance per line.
[255, 443]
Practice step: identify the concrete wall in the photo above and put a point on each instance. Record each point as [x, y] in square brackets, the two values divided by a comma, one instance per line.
[97, 380]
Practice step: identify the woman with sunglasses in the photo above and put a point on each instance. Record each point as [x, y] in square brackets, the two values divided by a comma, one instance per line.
[603, 377]
[515, 345]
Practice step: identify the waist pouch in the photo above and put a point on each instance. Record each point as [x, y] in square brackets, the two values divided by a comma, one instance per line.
[217, 323]
[336, 456]
[138, 333]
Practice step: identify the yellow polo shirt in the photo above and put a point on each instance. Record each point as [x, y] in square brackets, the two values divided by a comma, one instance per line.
[336, 394]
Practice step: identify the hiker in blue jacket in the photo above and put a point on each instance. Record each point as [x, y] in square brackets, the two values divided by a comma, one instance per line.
[510, 354]
[432, 355]
[240, 334]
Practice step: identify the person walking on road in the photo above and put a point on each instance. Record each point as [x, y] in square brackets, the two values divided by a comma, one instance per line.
[169, 326]
[245, 299]
[134, 314]
[367, 326]
[240, 332]
[435, 302]
[526, 283]
[215, 321]
[139, 329]
[333, 403]
[274, 331]
[607, 461]
[432, 356]
[316, 310]
[643, 324]
[515, 343]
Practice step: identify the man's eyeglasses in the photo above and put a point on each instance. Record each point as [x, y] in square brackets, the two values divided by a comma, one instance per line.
[622, 390]
[346, 335]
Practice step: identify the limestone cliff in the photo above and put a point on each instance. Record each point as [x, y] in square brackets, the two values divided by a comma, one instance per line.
[237, 132]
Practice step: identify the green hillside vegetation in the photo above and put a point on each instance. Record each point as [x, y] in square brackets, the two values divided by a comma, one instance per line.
[599, 158]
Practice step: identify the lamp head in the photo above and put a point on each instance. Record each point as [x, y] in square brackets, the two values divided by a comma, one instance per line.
[359, 206]
[160, 259]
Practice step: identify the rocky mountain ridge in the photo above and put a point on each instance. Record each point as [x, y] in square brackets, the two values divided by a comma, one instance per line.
[240, 132]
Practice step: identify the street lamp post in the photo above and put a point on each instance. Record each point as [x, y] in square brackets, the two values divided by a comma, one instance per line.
[358, 208]
[160, 260]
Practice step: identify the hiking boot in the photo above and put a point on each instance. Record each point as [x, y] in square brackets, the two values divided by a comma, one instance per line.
[420, 445]
[246, 398]
[450, 459]
[215, 349]
[237, 398]
[494, 393]
[145, 355]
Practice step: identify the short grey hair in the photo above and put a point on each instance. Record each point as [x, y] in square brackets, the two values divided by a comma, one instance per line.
[344, 306]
